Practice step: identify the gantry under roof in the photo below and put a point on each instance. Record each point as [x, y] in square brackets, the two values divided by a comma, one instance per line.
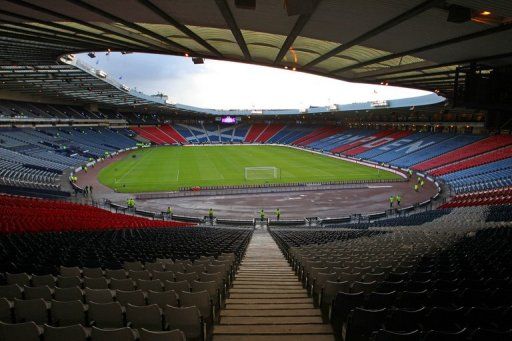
[399, 42]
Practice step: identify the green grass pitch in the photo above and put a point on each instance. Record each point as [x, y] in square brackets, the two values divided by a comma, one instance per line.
[169, 168]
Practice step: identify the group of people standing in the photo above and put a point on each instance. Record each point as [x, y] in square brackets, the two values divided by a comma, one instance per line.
[277, 214]
[394, 198]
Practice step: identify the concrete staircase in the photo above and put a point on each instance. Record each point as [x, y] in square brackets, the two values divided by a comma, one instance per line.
[267, 301]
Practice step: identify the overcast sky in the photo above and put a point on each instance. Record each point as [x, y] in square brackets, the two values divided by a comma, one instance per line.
[228, 85]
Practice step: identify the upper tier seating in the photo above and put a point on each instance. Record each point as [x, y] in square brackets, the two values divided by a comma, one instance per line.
[13, 109]
[21, 214]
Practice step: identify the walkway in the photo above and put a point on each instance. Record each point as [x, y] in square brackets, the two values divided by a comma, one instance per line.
[267, 301]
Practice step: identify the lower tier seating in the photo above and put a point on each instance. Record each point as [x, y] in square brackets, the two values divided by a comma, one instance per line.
[22, 214]
[500, 196]
[443, 283]
[117, 284]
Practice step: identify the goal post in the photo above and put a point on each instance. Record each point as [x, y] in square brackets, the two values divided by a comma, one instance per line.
[261, 173]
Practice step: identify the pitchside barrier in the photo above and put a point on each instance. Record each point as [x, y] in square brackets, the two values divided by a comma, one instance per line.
[289, 222]
[290, 184]
[250, 190]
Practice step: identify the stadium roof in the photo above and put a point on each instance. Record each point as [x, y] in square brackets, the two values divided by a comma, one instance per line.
[400, 42]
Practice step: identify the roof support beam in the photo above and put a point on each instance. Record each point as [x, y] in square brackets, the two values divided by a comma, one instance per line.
[438, 73]
[233, 26]
[19, 34]
[184, 29]
[454, 63]
[131, 25]
[133, 37]
[78, 32]
[419, 80]
[36, 32]
[301, 22]
[424, 6]
[444, 43]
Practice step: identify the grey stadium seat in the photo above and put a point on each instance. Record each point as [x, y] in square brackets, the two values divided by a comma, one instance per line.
[68, 333]
[27, 331]
[119, 334]
[106, 315]
[148, 317]
[67, 313]
[186, 319]
[172, 335]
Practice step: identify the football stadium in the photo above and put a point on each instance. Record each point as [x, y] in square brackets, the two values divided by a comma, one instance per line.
[128, 215]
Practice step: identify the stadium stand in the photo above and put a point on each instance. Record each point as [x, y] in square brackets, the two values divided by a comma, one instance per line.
[345, 147]
[255, 131]
[153, 134]
[486, 145]
[435, 150]
[170, 131]
[499, 196]
[268, 132]
[409, 280]
[482, 159]
[289, 134]
[68, 272]
[425, 140]
[316, 135]
[37, 158]
[21, 214]
[376, 143]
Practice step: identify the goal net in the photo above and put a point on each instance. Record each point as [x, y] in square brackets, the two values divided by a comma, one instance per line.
[261, 173]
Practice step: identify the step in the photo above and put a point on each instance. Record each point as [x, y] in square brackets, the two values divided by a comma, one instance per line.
[275, 281]
[263, 329]
[308, 300]
[268, 306]
[267, 276]
[281, 337]
[269, 286]
[276, 312]
[257, 320]
[293, 290]
[276, 295]
[267, 302]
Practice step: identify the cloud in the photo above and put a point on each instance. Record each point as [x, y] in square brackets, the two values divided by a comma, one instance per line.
[228, 85]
